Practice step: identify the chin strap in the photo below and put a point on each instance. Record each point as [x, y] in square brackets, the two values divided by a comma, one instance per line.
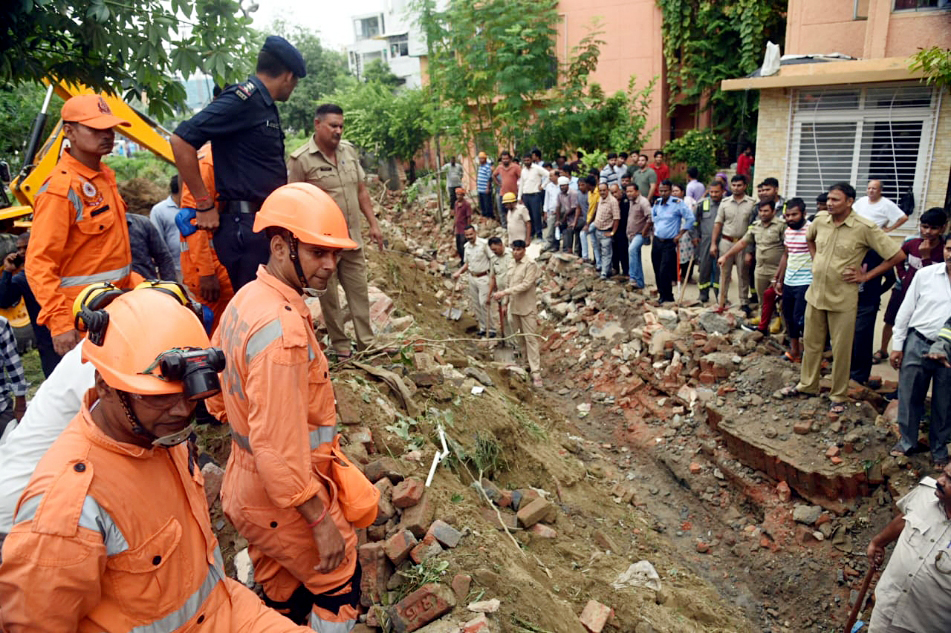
[166, 441]
[305, 289]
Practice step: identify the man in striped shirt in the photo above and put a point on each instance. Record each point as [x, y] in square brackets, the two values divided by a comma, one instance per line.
[794, 275]
[12, 379]
[484, 185]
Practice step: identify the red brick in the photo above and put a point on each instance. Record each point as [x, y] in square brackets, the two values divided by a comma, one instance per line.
[508, 520]
[783, 491]
[833, 451]
[385, 467]
[398, 546]
[478, 624]
[427, 548]
[376, 573]
[595, 616]
[385, 510]
[417, 518]
[537, 510]
[836, 460]
[543, 531]
[695, 468]
[802, 427]
[707, 378]
[408, 492]
[703, 548]
[422, 607]
[461, 583]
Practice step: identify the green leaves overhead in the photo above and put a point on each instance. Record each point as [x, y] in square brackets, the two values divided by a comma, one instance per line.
[706, 42]
[130, 48]
[935, 63]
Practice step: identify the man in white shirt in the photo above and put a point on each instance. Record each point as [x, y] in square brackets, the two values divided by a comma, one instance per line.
[923, 312]
[57, 401]
[879, 209]
[550, 210]
[162, 217]
[531, 191]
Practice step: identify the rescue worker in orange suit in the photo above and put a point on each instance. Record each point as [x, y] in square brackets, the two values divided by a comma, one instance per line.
[279, 401]
[79, 233]
[112, 533]
[202, 273]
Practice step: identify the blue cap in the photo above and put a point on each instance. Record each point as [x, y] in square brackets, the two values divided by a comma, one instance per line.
[285, 51]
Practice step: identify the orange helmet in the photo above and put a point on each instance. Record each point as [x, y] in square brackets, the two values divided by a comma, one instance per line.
[129, 336]
[309, 213]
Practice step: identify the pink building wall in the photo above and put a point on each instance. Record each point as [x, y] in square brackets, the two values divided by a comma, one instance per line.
[634, 45]
[824, 26]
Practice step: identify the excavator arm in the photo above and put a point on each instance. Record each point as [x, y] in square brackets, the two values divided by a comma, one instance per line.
[37, 168]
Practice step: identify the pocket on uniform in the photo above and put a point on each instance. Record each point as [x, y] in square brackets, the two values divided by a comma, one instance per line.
[278, 532]
[152, 577]
[916, 530]
[97, 220]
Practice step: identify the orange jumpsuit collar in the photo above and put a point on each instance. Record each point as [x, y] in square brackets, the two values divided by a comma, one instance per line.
[291, 295]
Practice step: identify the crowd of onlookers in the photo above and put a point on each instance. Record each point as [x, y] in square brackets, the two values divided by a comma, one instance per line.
[816, 273]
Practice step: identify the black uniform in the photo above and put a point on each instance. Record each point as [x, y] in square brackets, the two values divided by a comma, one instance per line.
[247, 144]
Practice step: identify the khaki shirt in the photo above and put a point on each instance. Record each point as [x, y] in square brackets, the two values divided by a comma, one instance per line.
[521, 290]
[501, 267]
[838, 248]
[913, 594]
[769, 242]
[341, 180]
[735, 216]
[478, 256]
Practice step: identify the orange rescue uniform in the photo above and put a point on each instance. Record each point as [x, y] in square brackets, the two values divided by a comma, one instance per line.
[280, 405]
[79, 237]
[114, 537]
[198, 256]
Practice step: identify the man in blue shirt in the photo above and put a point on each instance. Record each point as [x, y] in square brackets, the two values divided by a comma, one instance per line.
[162, 217]
[669, 215]
[248, 150]
[484, 185]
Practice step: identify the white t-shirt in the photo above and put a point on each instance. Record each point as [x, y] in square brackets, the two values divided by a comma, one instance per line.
[883, 213]
[56, 403]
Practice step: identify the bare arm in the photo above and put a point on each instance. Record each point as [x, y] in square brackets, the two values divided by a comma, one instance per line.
[330, 543]
[736, 248]
[894, 226]
[715, 237]
[876, 548]
[854, 275]
[366, 206]
[186, 161]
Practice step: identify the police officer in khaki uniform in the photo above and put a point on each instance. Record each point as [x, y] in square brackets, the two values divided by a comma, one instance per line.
[334, 166]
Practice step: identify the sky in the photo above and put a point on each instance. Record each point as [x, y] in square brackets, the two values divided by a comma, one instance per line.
[331, 19]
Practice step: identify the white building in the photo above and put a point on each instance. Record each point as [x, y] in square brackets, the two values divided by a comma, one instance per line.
[391, 36]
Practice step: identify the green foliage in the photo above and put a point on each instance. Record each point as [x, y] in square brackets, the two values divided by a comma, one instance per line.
[706, 42]
[327, 72]
[379, 72]
[581, 115]
[489, 62]
[696, 148]
[935, 63]
[131, 48]
[386, 124]
[143, 164]
[19, 105]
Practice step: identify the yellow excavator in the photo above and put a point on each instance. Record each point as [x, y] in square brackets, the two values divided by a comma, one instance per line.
[38, 163]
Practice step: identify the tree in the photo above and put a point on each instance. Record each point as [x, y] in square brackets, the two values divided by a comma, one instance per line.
[327, 72]
[19, 105]
[131, 48]
[935, 63]
[490, 61]
[706, 42]
[379, 72]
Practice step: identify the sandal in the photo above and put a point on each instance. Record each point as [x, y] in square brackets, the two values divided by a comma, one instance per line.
[897, 451]
[790, 392]
[837, 409]
[879, 357]
[791, 358]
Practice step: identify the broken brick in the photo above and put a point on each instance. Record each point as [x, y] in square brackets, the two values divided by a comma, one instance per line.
[376, 573]
[833, 451]
[447, 535]
[523, 496]
[508, 520]
[802, 427]
[408, 492]
[427, 548]
[595, 616]
[783, 491]
[695, 468]
[537, 510]
[703, 548]
[384, 467]
[836, 460]
[417, 518]
[461, 583]
[421, 607]
[478, 624]
[398, 546]
[543, 531]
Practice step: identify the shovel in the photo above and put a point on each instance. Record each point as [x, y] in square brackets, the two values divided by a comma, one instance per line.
[452, 313]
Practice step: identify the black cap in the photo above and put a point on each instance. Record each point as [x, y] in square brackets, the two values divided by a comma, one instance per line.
[285, 51]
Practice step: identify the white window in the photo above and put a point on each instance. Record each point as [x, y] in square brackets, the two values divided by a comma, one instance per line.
[366, 28]
[399, 46]
[856, 134]
[921, 5]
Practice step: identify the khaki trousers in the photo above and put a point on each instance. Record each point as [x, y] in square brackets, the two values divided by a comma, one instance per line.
[726, 273]
[352, 275]
[526, 325]
[840, 326]
[763, 282]
[478, 297]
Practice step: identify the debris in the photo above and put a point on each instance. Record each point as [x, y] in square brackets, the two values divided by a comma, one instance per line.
[807, 515]
[584, 409]
[408, 492]
[424, 605]
[537, 510]
[460, 586]
[447, 535]
[639, 574]
[595, 616]
[485, 606]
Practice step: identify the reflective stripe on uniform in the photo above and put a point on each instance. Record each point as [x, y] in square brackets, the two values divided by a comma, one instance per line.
[73, 198]
[262, 338]
[85, 280]
[945, 333]
[183, 247]
[178, 618]
[326, 626]
[319, 436]
[92, 517]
